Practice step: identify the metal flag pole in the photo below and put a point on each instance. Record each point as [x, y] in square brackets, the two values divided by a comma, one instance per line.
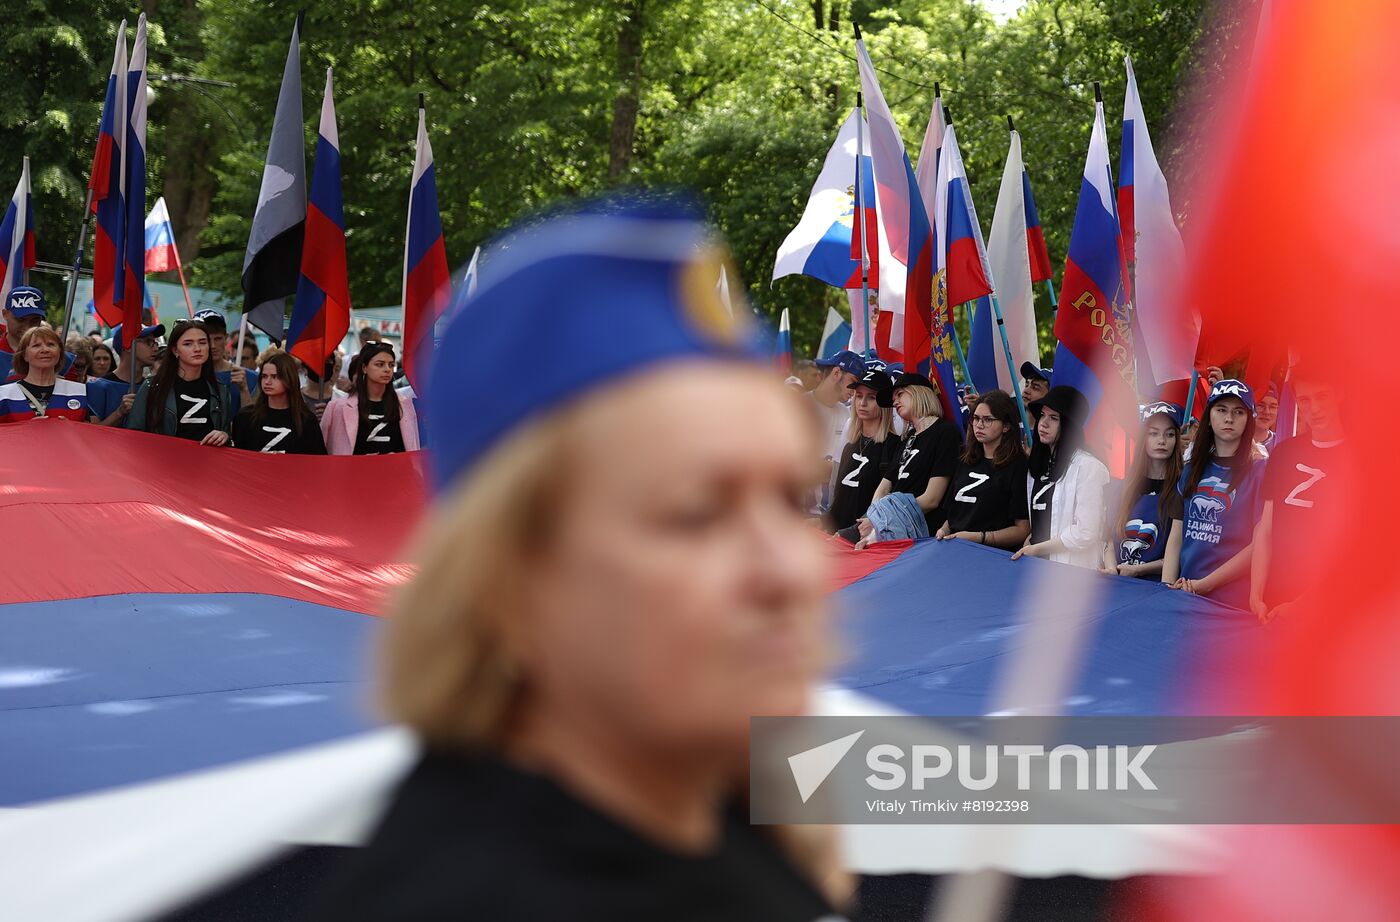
[868, 339]
[77, 267]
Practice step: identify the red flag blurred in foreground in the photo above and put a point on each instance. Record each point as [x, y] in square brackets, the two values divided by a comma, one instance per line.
[1296, 246]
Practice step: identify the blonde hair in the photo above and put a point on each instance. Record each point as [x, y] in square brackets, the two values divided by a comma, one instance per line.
[924, 401]
[266, 354]
[448, 672]
[20, 363]
[856, 429]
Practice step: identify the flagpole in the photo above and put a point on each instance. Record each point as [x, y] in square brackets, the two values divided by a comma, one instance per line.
[957, 346]
[1190, 396]
[868, 340]
[77, 267]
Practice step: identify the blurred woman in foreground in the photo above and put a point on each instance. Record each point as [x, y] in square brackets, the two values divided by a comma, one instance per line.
[617, 576]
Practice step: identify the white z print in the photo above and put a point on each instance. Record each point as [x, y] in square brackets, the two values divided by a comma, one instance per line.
[977, 481]
[1035, 500]
[270, 448]
[198, 404]
[1314, 475]
[902, 472]
[374, 435]
[850, 479]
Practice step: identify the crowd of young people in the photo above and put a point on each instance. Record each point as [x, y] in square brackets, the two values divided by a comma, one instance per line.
[186, 386]
[1201, 512]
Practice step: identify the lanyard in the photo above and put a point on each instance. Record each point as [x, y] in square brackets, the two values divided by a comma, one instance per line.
[40, 409]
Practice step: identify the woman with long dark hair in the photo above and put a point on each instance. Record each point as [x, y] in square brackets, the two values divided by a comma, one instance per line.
[375, 419]
[1064, 483]
[1137, 538]
[1216, 502]
[986, 499]
[183, 398]
[279, 421]
[103, 360]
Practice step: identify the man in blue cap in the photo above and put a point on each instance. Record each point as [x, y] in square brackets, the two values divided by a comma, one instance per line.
[830, 400]
[23, 309]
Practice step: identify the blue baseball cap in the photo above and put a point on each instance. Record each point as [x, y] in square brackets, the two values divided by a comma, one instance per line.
[1231, 387]
[1165, 408]
[595, 293]
[25, 301]
[845, 360]
[1032, 371]
[146, 333]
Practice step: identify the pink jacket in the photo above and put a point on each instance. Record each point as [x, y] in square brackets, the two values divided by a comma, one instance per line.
[341, 423]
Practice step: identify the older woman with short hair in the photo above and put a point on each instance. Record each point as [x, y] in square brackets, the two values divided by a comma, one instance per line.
[39, 392]
[618, 575]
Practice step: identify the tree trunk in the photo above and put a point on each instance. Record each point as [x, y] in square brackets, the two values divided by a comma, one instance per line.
[629, 89]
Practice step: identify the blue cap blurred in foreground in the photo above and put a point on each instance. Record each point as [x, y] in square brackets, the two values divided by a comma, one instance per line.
[581, 298]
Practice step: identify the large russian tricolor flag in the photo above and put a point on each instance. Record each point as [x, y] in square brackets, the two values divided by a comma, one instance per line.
[427, 286]
[1151, 240]
[963, 256]
[17, 235]
[907, 246]
[133, 287]
[1095, 351]
[107, 181]
[824, 244]
[321, 312]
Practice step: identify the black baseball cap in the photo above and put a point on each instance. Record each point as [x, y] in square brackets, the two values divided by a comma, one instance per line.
[212, 318]
[877, 381]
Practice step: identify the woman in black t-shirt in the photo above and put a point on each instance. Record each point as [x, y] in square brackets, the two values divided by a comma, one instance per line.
[870, 445]
[183, 398]
[986, 501]
[279, 422]
[927, 454]
[375, 419]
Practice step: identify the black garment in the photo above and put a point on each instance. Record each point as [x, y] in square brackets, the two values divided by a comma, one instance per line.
[472, 837]
[1042, 495]
[925, 455]
[378, 436]
[983, 497]
[194, 409]
[863, 464]
[276, 435]
[1307, 484]
[40, 392]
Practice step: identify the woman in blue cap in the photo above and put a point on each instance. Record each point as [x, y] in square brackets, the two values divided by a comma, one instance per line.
[618, 574]
[1064, 483]
[1137, 539]
[1217, 502]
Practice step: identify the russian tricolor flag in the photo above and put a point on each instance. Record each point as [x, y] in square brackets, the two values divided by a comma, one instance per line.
[161, 255]
[108, 186]
[1035, 237]
[321, 312]
[132, 292]
[1095, 351]
[1151, 240]
[782, 347]
[824, 244]
[963, 257]
[907, 246]
[17, 235]
[427, 286]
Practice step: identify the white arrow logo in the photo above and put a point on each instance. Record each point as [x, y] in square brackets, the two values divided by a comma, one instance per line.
[811, 767]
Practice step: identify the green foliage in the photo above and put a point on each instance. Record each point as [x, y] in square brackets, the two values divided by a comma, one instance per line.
[738, 100]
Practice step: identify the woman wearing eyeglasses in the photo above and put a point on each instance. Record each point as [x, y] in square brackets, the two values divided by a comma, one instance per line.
[986, 500]
[1064, 483]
